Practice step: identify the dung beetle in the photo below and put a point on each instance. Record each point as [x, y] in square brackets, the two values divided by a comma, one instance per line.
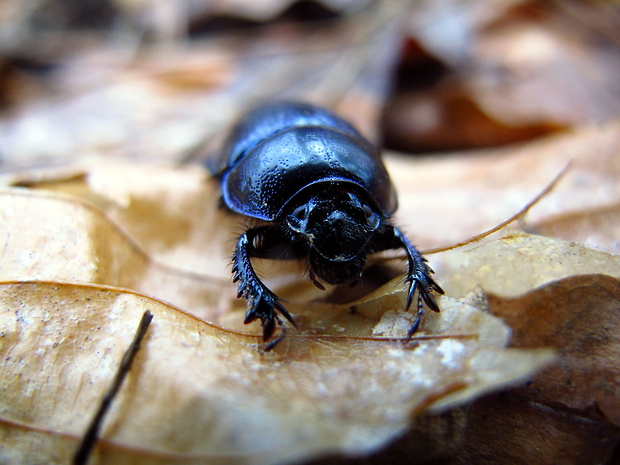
[321, 193]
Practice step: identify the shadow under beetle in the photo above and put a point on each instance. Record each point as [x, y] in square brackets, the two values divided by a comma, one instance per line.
[322, 193]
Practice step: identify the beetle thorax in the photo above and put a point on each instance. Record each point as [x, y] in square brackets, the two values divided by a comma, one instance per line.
[337, 230]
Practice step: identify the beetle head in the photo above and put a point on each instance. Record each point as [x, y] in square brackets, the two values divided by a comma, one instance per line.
[337, 230]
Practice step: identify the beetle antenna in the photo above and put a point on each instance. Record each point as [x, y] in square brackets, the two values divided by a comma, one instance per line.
[314, 280]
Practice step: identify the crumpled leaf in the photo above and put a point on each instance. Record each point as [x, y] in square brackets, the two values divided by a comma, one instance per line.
[582, 323]
[562, 295]
[444, 201]
[485, 74]
[201, 393]
[62, 239]
[520, 262]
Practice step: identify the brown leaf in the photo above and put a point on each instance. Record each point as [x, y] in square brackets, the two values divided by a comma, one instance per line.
[519, 263]
[304, 397]
[444, 201]
[506, 430]
[58, 238]
[569, 412]
[552, 294]
[580, 317]
[489, 76]
[176, 103]
[201, 393]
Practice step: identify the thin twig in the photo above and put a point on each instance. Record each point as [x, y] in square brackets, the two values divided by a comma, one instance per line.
[90, 438]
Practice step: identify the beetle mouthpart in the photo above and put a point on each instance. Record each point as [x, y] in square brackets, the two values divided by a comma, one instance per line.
[339, 241]
[337, 229]
[333, 272]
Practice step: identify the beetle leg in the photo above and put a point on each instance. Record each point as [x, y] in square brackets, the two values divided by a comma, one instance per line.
[262, 302]
[419, 279]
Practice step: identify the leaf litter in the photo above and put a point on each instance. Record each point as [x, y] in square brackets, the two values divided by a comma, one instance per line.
[202, 392]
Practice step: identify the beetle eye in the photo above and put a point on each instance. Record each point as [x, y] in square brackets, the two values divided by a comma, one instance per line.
[298, 218]
[353, 198]
[372, 218]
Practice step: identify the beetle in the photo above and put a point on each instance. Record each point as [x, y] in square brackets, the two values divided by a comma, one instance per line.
[321, 193]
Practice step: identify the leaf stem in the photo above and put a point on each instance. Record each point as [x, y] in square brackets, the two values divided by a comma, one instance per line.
[90, 438]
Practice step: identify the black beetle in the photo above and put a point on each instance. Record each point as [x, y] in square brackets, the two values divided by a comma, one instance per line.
[323, 194]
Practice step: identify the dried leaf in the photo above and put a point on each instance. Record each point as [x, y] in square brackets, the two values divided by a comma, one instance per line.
[561, 295]
[176, 103]
[195, 383]
[450, 199]
[556, 294]
[582, 324]
[519, 263]
[504, 429]
[203, 394]
[502, 74]
[62, 239]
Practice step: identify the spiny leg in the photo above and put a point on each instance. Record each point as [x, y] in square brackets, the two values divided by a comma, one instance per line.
[261, 302]
[420, 280]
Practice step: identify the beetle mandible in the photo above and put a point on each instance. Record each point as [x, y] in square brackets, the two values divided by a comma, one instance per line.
[322, 193]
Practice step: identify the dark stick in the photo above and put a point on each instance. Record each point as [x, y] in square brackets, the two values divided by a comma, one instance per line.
[90, 438]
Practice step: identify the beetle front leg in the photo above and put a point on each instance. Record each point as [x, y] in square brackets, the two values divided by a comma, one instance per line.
[419, 279]
[261, 302]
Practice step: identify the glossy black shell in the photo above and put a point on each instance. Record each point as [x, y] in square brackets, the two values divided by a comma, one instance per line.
[283, 150]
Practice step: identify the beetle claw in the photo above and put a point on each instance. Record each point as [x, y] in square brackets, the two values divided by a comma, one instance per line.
[262, 303]
[414, 327]
[420, 281]
[282, 335]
